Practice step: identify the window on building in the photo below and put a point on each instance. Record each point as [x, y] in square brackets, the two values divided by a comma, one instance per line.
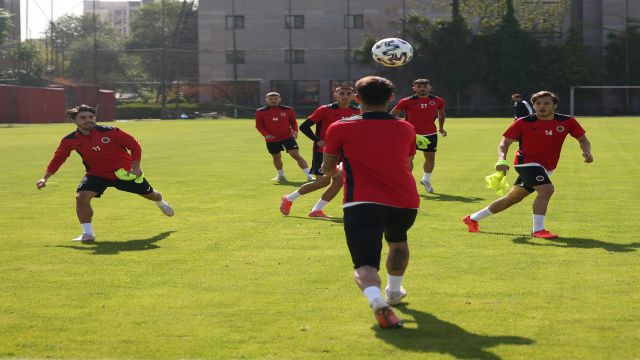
[294, 56]
[237, 58]
[354, 21]
[235, 22]
[305, 94]
[294, 22]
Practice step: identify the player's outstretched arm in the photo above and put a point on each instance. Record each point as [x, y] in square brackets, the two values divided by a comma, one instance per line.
[441, 118]
[43, 182]
[585, 145]
[503, 148]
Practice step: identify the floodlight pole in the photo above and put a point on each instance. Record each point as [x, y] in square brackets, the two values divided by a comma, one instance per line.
[235, 60]
[348, 23]
[95, 46]
[626, 57]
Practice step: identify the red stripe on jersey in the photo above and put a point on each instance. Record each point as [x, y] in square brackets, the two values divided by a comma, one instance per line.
[421, 112]
[541, 140]
[277, 121]
[105, 150]
[326, 115]
[376, 148]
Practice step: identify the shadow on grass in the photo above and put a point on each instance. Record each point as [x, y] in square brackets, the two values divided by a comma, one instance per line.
[115, 247]
[434, 335]
[333, 220]
[455, 198]
[286, 182]
[579, 243]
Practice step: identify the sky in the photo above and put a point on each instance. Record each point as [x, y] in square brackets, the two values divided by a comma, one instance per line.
[40, 14]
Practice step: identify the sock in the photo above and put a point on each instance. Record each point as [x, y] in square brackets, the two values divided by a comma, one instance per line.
[320, 205]
[306, 171]
[538, 222]
[294, 195]
[426, 177]
[394, 282]
[481, 214]
[281, 172]
[87, 228]
[161, 202]
[374, 296]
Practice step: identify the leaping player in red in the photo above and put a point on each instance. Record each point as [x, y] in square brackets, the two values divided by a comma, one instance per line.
[541, 136]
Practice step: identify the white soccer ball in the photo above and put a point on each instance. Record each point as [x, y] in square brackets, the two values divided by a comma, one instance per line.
[392, 52]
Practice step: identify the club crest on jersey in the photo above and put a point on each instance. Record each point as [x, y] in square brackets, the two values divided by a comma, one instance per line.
[432, 102]
[283, 114]
[560, 128]
[105, 140]
[539, 178]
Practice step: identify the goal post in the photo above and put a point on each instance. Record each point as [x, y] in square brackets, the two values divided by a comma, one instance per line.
[572, 101]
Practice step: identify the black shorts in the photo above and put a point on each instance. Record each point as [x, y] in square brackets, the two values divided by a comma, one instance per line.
[364, 226]
[99, 185]
[286, 144]
[316, 163]
[530, 176]
[433, 143]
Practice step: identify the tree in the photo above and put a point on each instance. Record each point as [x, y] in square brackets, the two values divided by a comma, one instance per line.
[533, 15]
[448, 50]
[29, 65]
[5, 26]
[178, 38]
[75, 53]
[622, 56]
[512, 57]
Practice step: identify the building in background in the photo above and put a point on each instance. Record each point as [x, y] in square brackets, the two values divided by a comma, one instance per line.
[262, 45]
[302, 48]
[117, 13]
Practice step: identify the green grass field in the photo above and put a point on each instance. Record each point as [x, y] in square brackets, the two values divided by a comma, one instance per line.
[229, 277]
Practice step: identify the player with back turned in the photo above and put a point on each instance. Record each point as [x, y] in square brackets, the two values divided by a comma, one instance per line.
[380, 194]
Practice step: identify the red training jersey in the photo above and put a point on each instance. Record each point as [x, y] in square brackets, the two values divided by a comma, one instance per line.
[541, 140]
[278, 121]
[326, 115]
[422, 112]
[105, 150]
[376, 147]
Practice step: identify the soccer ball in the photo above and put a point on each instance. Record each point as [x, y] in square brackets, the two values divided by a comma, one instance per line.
[392, 52]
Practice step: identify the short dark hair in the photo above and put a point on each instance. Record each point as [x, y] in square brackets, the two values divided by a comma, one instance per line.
[73, 112]
[516, 95]
[374, 90]
[545, 93]
[343, 87]
[422, 81]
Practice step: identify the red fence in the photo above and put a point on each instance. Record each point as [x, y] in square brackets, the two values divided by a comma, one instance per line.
[21, 104]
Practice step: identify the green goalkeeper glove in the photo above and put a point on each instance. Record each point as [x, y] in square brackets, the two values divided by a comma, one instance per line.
[123, 174]
[498, 182]
[422, 142]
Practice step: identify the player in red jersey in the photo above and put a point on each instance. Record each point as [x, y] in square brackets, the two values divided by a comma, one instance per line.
[278, 124]
[421, 110]
[322, 117]
[541, 136]
[103, 150]
[380, 195]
